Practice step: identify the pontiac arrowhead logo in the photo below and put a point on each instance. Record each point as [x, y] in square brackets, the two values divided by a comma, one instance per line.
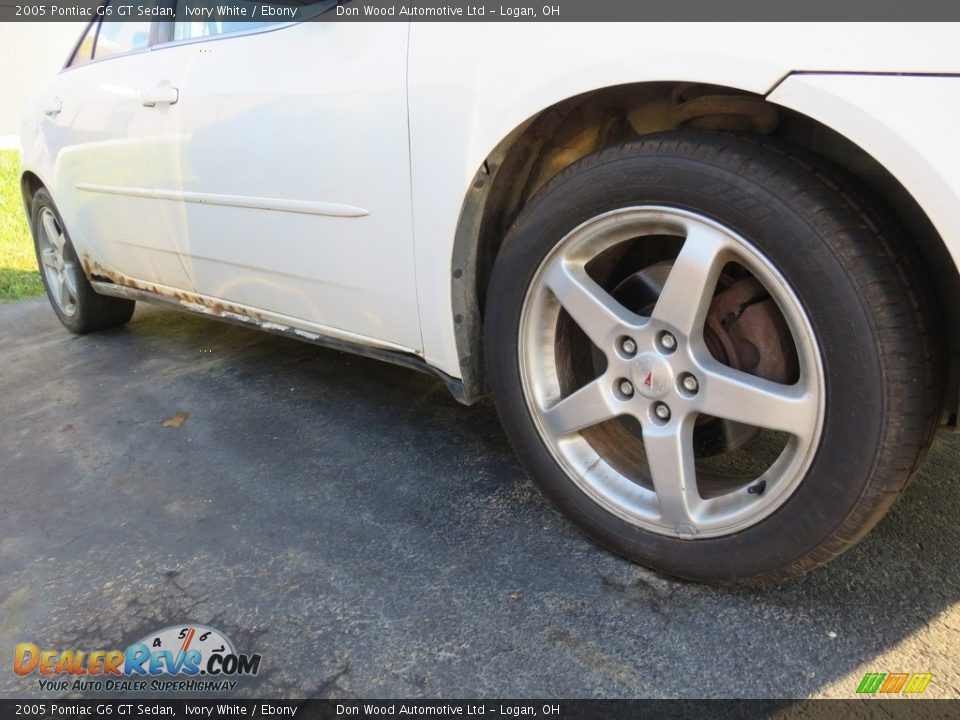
[651, 376]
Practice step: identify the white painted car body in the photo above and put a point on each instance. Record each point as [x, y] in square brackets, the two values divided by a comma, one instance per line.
[314, 175]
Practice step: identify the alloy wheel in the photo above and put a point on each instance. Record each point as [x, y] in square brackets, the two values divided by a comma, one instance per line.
[61, 272]
[664, 375]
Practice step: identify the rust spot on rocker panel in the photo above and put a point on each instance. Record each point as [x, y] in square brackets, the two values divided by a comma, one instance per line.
[191, 301]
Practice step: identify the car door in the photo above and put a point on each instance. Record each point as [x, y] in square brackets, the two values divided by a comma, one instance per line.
[101, 114]
[289, 190]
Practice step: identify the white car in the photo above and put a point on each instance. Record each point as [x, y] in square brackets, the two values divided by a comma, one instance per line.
[707, 276]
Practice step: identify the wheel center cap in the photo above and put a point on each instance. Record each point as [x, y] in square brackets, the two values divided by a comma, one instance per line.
[652, 376]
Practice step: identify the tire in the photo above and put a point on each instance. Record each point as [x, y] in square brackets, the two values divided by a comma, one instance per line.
[621, 313]
[79, 307]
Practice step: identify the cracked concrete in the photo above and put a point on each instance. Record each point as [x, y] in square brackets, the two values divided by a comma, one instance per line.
[370, 537]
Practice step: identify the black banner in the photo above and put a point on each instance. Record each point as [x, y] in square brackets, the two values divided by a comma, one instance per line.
[259, 11]
[893, 709]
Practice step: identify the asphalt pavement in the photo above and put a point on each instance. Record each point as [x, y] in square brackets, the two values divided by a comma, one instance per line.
[370, 537]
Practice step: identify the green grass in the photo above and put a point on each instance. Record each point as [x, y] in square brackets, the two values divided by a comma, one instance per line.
[18, 264]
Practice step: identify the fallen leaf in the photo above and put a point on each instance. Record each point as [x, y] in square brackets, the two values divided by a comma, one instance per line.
[177, 420]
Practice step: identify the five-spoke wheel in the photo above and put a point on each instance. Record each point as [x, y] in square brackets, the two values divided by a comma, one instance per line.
[660, 371]
[60, 272]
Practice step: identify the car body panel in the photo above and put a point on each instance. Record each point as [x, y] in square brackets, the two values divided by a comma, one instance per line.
[312, 221]
[94, 147]
[380, 270]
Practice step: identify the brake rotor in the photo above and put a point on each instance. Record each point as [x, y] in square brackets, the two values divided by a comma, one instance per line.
[746, 331]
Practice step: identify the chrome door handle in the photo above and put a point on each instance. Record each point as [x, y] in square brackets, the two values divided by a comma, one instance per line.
[53, 107]
[160, 95]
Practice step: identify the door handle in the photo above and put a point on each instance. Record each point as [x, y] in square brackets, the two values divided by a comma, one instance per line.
[53, 107]
[160, 95]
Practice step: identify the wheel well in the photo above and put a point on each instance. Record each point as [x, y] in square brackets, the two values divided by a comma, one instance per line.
[562, 134]
[29, 184]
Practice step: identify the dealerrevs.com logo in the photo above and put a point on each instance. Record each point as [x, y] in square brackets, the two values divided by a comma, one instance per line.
[178, 658]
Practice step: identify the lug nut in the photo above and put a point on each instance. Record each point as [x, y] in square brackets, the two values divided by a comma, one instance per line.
[661, 411]
[668, 341]
[626, 388]
[628, 346]
[690, 384]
